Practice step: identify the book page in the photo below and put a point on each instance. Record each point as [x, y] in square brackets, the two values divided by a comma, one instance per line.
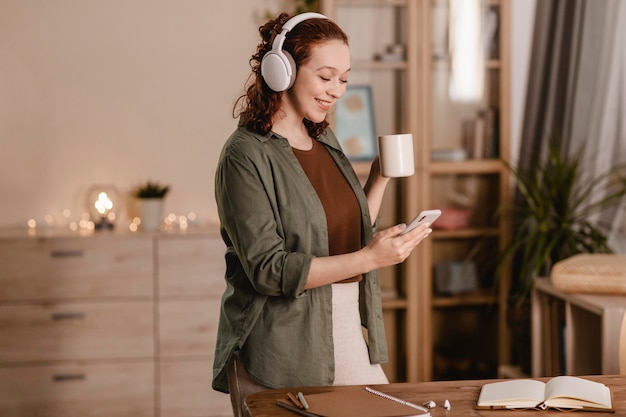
[520, 393]
[563, 391]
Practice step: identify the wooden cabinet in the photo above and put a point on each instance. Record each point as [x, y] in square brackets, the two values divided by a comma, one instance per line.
[76, 331]
[74, 267]
[92, 389]
[110, 324]
[447, 302]
[190, 287]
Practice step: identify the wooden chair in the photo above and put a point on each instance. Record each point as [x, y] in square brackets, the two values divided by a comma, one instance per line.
[240, 385]
[622, 347]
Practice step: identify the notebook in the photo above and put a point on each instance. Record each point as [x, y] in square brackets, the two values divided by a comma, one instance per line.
[365, 402]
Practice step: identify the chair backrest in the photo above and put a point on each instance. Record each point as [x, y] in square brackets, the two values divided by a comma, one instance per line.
[240, 385]
[622, 347]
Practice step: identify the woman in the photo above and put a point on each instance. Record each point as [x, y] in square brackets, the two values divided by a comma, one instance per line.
[299, 228]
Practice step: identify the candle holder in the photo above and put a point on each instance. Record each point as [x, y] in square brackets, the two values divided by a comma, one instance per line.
[103, 204]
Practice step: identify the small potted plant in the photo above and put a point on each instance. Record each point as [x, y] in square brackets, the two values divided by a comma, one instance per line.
[150, 196]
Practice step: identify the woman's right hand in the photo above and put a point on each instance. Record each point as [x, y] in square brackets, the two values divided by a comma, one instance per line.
[388, 247]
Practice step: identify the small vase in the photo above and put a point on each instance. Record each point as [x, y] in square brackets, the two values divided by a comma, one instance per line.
[151, 213]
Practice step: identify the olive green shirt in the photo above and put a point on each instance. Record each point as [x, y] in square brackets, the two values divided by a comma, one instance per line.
[273, 224]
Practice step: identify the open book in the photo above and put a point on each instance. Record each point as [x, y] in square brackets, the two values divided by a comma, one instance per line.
[561, 392]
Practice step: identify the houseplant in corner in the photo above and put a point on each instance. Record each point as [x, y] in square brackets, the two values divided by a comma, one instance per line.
[555, 216]
[150, 196]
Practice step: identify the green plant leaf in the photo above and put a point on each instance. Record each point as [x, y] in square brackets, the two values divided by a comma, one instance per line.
[151, 190]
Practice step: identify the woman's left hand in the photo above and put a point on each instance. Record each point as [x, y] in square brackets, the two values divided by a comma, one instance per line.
[375, 188]
[375, 168]
[375, 175]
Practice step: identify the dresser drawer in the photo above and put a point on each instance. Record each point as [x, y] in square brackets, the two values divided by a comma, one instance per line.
[191, 266]
[188, 328]
[67, 331]
[186, 390]
[75, 267]
[95, 390]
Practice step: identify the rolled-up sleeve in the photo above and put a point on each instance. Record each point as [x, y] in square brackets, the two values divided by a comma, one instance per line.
[250, 195]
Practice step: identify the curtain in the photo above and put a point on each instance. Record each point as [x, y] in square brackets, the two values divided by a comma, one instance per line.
[577, 89]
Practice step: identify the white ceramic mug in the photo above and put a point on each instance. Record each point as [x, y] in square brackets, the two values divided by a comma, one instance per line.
[396, 155]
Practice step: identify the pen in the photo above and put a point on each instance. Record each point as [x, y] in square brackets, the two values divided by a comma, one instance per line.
[294, 400]
[302, 400]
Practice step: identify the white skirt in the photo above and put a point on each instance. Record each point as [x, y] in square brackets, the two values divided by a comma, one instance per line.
[352, 363]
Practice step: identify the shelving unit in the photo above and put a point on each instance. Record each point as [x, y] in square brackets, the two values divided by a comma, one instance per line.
[394, 86]
[575, 334]
[435, 335]
[464, 333]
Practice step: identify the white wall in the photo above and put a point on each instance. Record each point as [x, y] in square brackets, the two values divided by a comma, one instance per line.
[121, 91]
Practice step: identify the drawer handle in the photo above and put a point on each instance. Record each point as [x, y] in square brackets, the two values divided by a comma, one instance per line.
[66, 253]
[68, 316]
[68, 377]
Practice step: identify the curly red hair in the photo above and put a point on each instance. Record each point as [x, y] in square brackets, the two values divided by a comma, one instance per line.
[258, 105]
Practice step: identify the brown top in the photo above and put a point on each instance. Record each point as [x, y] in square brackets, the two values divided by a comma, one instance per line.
[343, 216]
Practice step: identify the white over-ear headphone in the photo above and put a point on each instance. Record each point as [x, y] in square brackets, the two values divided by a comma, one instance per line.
[278, 68]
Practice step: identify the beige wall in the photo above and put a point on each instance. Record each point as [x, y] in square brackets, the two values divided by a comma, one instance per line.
[118, 92]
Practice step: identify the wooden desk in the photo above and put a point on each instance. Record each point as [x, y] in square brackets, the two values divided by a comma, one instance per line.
[461, 394]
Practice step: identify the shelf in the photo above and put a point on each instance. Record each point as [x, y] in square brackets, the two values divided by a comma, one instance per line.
[443, 63]
[471, 233]
[471, 166]
[493, 64]
[479, 298]
[371, 3]
[394, 304]
[363, 64]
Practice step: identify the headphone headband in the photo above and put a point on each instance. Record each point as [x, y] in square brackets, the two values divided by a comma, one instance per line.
[291, 23]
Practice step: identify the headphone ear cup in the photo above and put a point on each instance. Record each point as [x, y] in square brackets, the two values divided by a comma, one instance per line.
[275, 70]
[292, 64]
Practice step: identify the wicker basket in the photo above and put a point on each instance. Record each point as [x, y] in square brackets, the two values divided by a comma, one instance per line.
[591, 273]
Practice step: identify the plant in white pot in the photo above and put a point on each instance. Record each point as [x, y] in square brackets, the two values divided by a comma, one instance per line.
[150, 196]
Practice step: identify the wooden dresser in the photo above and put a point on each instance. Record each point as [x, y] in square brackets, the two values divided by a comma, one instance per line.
[110, 324]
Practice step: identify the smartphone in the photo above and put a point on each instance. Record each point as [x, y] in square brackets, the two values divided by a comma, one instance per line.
[425, 216]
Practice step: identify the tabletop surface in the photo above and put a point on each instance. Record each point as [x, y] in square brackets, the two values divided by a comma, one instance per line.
[598, 302]
[462, 396]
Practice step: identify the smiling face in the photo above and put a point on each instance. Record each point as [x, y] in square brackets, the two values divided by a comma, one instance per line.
[320, 81]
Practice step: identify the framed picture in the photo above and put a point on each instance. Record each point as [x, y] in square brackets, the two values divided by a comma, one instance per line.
[354, 123]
